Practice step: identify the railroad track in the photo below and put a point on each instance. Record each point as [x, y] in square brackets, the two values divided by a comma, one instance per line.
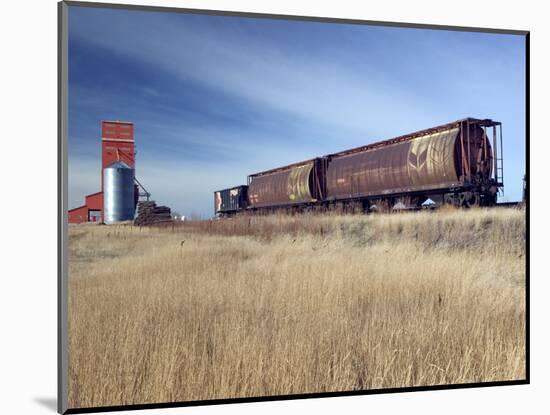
[508, 204]
[498, 205]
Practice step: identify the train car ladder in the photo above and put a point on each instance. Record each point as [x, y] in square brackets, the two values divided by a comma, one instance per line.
[499, 174]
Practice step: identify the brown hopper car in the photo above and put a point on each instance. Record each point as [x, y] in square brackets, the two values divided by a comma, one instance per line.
[290, 185]
[458, 163]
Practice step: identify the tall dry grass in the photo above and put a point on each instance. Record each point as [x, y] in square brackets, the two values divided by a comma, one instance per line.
[285, 305]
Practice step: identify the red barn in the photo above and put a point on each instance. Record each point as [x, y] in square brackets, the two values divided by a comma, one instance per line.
[117, 144]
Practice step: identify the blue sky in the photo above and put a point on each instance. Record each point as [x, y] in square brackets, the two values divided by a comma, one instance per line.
[216, 98]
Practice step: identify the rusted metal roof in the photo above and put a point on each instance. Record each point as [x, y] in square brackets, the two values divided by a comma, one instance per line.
[287, 167]
[411, 136]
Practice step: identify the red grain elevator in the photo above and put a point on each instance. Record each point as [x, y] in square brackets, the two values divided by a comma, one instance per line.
[117, 144]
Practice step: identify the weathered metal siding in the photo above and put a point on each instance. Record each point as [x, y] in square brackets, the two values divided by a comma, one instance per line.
[117, 144]
[418, 164]
[230, 200]
[285, 187]
[93, 202]
[78, 215]
[119, 198]
[117, 140]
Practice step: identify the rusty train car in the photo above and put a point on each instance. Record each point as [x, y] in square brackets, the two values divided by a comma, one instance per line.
[459, 163]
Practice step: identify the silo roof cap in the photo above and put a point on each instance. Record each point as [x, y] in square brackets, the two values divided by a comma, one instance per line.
[118, 165]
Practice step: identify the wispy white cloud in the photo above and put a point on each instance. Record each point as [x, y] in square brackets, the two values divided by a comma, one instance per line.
[84, 179]
[299, 100]
[269, 76]
[187, 189]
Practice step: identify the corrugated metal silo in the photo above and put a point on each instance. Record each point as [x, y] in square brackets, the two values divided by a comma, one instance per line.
[119, 193]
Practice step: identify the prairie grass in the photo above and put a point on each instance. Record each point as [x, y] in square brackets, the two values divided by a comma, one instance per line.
[286, 305]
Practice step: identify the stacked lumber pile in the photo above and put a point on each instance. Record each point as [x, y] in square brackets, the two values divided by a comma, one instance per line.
[150, 214]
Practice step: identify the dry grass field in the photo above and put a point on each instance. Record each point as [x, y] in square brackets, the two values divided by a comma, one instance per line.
[287, 305]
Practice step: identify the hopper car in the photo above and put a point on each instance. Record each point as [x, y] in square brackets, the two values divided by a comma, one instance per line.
[459, 163]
